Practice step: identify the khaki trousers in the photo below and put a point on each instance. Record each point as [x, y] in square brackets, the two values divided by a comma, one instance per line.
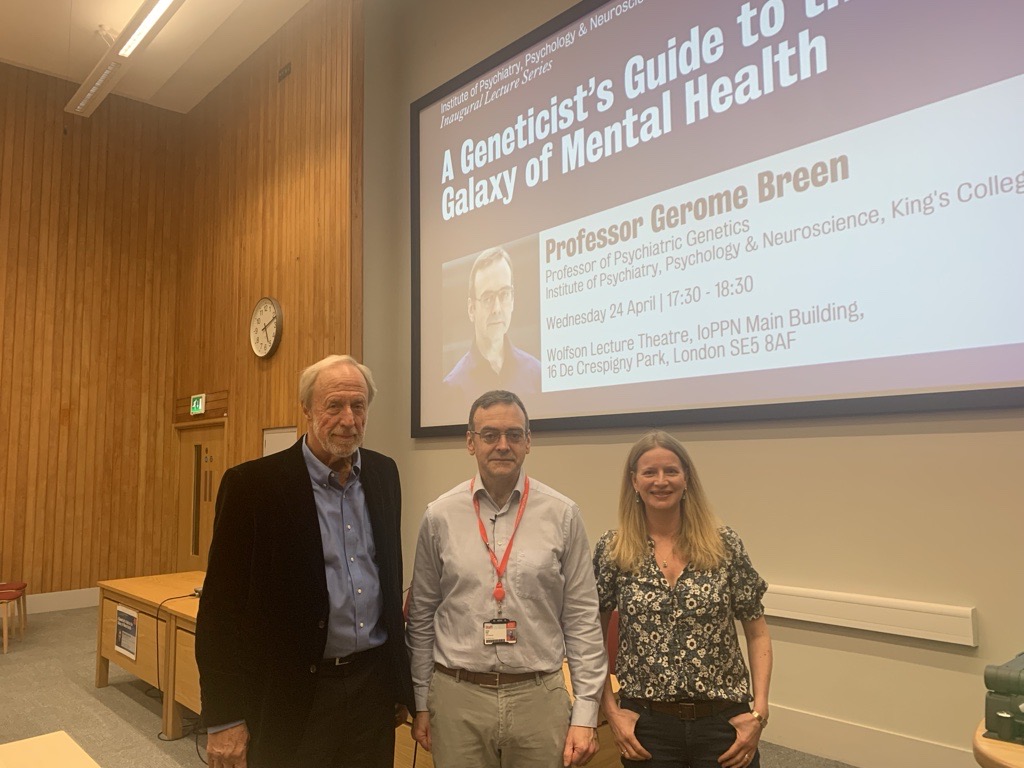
[521, 725]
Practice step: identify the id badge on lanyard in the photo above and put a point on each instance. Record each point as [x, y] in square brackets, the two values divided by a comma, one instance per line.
[500, 630]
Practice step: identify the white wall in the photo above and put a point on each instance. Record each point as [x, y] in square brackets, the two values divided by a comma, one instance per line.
[924, 508]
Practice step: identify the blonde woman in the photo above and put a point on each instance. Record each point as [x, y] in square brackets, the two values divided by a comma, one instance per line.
[679, 580]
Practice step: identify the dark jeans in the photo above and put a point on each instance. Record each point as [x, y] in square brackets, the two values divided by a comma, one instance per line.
[352, 723]
[675, 743]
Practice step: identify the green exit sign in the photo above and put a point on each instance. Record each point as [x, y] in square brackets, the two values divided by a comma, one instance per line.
[198, 405]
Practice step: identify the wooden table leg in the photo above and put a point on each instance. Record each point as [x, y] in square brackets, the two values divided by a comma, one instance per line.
[102, 664]
[172, 711]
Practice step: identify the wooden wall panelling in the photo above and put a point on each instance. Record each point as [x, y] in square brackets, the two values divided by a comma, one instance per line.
[89, 222]
[11, 394]
[271, 212]
[91, 442]
[7, 120]
[352, 77]
[73, 259]
[83, 178]
[57, 536]
[156, 537]
[124, 165]
[99, 483]
[133, 245]
[60, 337]
[42, 308]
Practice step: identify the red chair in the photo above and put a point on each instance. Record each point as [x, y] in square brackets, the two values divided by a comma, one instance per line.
[12, 595]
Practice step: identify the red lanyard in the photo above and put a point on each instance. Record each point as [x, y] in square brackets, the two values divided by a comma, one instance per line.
[499, 590]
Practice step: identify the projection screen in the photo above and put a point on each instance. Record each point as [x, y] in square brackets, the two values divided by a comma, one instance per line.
[711, 211]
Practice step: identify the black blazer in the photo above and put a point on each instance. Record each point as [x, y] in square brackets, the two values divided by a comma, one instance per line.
[262, 621]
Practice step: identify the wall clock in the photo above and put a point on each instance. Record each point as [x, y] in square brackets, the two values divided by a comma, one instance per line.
[265, 327]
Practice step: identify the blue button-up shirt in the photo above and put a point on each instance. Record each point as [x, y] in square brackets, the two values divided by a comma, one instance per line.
[353, 582]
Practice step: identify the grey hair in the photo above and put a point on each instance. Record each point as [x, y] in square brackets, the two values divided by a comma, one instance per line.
[307, 379]
[498, 397]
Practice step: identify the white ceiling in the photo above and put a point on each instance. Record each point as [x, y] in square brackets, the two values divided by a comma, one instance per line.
[203, 43]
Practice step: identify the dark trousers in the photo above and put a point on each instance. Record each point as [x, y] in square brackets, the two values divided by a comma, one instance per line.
[675, 743]
[352, 722]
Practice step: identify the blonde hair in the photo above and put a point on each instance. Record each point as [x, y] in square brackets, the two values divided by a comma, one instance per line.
[698, 541]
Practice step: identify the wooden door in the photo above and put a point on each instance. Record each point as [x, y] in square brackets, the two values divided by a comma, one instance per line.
[200, 467]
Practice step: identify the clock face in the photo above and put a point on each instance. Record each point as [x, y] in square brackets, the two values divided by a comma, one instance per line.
[265, 327]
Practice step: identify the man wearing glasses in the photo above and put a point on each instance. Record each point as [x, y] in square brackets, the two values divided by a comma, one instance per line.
[493, 362]
[502, 592]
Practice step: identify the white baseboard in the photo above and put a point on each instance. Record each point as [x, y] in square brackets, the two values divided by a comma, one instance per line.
[860, 745]
[63, 601]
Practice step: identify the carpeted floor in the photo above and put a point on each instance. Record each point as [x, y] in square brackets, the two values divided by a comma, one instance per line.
[47, 684]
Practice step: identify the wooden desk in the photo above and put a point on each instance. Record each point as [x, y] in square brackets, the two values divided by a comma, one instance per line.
[992, 753]
[54, 750]
[165, 644]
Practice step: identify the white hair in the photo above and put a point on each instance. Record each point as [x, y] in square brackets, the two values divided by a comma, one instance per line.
[307, 379]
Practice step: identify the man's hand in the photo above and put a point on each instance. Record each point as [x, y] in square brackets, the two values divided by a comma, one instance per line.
[421, 729]
[580, 745]
[227, 748]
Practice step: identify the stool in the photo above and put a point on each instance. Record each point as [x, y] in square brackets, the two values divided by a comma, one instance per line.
[9, 598]
[18, 586]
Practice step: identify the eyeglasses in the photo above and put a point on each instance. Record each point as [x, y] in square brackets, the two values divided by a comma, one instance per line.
[490, 298]
[492, 436]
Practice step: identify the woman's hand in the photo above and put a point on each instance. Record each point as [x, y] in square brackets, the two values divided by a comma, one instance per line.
[623, 725]
[748, 734]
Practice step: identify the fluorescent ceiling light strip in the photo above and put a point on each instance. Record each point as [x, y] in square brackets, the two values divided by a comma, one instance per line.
[97, 85]
[147, 24]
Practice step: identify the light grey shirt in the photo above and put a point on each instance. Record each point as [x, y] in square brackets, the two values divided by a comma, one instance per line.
[549, 591]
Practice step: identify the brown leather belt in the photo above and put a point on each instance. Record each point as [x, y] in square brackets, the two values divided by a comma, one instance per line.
[490, 679]
[689, 710]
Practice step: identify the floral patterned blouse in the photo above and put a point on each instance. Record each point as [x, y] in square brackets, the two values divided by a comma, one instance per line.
[680, 642]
